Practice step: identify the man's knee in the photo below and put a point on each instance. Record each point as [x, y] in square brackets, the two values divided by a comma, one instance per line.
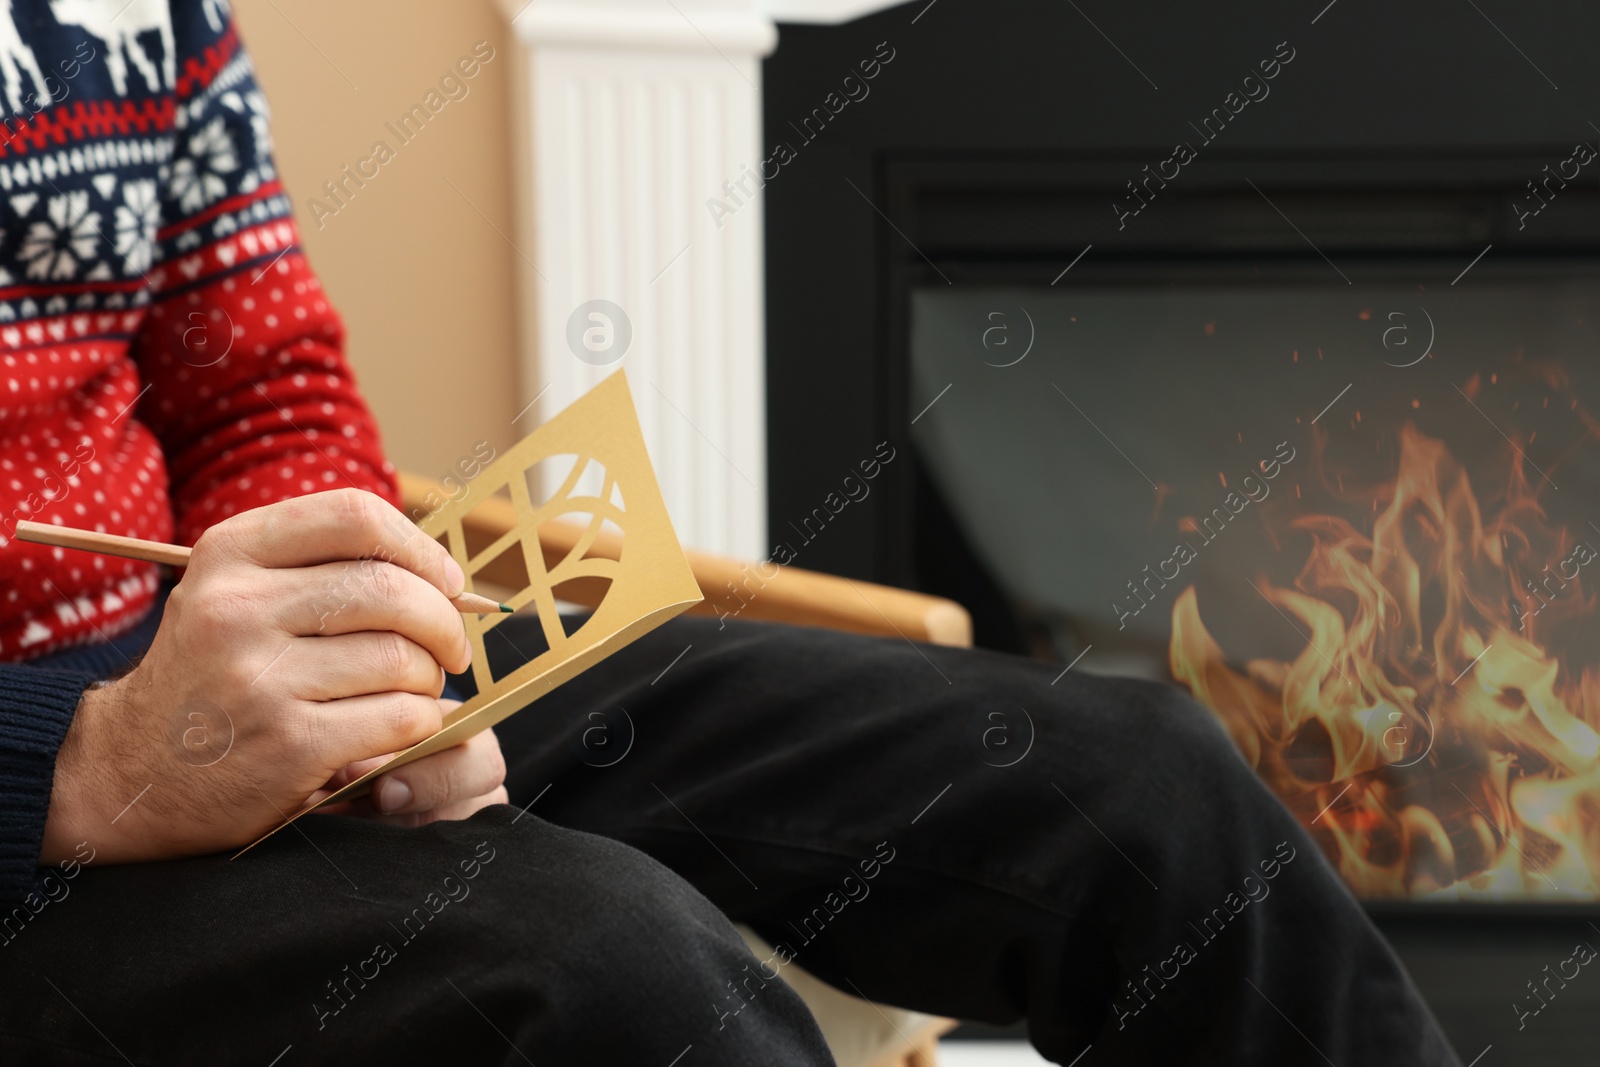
[612, 950]
[1181, 731]
[1183, 777]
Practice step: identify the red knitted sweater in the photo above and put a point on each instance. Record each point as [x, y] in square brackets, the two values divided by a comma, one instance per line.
[167, 357]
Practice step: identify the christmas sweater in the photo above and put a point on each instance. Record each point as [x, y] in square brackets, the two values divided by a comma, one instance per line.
[167, 357]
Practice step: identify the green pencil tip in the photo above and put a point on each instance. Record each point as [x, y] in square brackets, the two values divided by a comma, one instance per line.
[506, 609]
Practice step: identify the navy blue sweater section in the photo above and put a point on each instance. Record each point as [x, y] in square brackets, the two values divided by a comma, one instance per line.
[37, 702]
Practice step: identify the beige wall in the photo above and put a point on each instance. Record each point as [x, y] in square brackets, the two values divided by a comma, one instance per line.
[425, 283]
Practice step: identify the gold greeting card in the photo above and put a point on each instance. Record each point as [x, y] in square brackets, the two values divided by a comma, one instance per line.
[607, 481]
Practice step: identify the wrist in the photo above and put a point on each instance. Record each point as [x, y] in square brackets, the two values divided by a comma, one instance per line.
[74, 792]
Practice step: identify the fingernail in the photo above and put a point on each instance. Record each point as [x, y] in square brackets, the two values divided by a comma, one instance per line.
[392, 794]
[454, 577]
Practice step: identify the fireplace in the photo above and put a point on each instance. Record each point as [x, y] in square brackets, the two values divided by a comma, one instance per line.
[1343, 517]
[1219, 363]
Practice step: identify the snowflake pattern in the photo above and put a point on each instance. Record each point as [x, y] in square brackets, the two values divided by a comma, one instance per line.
[254, 104]
[137, 219]
[196, 177]
[112, 227]
[55, 245]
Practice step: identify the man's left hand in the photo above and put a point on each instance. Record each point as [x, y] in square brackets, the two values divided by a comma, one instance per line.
[452, 784]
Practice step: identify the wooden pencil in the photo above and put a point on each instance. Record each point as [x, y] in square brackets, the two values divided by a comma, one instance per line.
[41, 533]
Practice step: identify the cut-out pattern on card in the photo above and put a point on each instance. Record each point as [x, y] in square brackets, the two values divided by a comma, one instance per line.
[597, 449]
[471, 539]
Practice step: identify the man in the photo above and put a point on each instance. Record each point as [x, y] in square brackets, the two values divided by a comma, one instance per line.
[172, 371]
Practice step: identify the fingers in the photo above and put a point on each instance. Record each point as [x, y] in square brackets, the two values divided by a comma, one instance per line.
[341, 524]
[361, 727]
[351, 771]
[464, 773]
[461, 810]
[464, 809]
[346, 597]
[350, 665]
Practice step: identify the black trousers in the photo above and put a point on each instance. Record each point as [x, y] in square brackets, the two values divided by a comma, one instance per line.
[958, 832]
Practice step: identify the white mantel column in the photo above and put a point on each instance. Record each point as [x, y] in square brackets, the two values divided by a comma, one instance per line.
[631, 117]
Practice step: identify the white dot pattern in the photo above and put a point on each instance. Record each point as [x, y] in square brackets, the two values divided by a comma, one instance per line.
[167, 357]
[146, 433]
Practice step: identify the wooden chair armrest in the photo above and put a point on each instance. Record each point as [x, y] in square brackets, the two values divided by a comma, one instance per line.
[767, 591]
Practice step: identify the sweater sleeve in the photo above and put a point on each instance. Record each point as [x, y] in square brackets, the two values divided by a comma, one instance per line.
[36, 707]
[247, 385]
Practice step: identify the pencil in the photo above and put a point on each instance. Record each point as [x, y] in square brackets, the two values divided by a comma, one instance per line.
[177, 555]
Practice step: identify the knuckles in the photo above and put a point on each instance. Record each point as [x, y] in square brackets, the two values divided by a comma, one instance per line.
[300, 734]
[391, 655]
[360, 515]
[411, 718]
[216, 608]
[444, 787]
[384, 579]
[215, 544]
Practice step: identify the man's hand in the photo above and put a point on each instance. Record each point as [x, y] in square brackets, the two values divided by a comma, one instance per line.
[305, 636]
[452, 784]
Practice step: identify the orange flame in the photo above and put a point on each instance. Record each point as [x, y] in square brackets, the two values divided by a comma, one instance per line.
[1433, 734]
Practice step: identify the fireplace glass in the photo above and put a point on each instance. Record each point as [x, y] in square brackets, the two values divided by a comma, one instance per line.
[1357, 520]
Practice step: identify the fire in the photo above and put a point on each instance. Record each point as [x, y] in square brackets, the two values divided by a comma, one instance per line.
[1438, 732]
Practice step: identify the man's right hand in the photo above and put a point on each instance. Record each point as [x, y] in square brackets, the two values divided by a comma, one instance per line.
[304, 636]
